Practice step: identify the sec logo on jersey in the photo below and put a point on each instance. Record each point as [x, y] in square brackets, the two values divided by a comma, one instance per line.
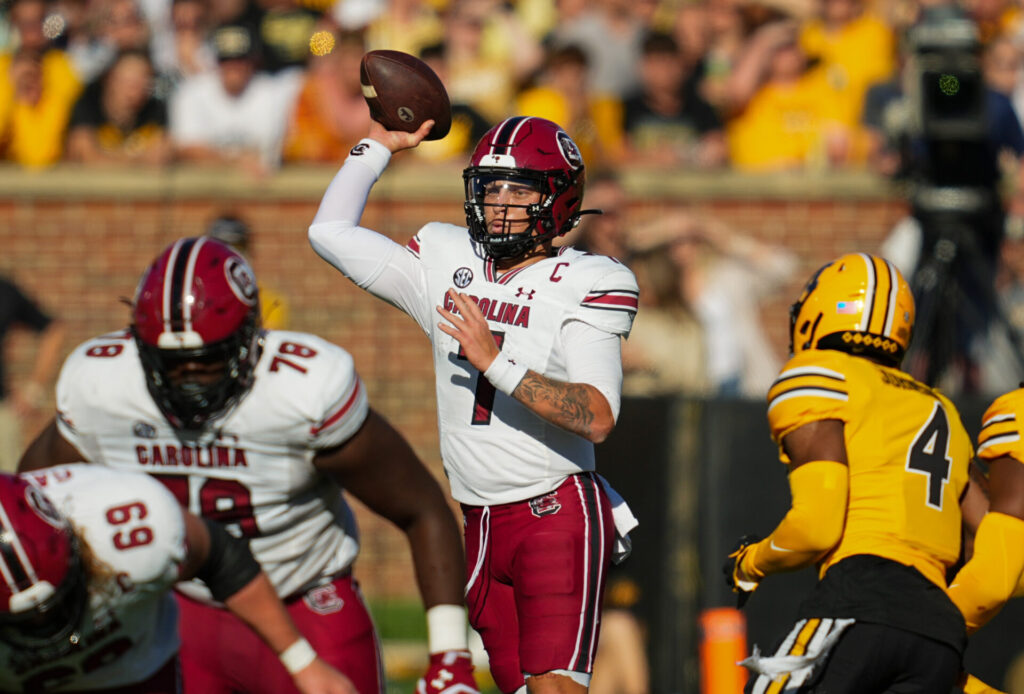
[462, 277]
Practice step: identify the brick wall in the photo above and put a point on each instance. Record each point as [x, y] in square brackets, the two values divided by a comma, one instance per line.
[78, 240]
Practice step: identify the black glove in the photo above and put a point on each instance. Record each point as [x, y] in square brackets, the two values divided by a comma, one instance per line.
[731, 565]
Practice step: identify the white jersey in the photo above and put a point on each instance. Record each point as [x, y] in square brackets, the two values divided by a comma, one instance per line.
[134, 526]
[251, 469]
[494, 449]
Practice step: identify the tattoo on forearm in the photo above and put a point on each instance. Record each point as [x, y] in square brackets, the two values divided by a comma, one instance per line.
[568, 404]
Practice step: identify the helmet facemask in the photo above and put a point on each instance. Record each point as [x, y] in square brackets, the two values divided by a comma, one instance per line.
[50, 626]
[188, 402]
[537, 227]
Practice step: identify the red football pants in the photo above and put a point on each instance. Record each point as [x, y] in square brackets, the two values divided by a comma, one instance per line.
[536, 579]
[221, 655]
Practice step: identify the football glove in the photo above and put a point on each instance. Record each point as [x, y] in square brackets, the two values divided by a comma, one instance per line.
[450, 672]
[742, 588]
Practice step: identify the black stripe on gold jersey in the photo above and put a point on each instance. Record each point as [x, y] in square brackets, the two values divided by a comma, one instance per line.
[998, 419]
[807, 371]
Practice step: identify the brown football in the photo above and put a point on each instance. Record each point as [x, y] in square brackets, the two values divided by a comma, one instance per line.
[402, 92]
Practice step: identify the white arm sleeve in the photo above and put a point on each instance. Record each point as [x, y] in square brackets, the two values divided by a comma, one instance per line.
[371, 260]
[594, 357]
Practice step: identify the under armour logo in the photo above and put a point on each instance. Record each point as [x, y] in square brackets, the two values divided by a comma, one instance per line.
[527, 294]
[444, 676]
[359, 149]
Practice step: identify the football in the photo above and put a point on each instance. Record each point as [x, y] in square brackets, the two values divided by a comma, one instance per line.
[402, 92]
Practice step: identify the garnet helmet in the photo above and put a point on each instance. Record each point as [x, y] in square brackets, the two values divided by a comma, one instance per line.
[43, 593]
[858, 303]
[533, 152]
[197, 303]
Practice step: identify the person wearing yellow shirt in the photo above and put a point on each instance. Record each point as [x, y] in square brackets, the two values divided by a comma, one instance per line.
[593, 121]
[38, 88]
[786, 119]
[853, 49]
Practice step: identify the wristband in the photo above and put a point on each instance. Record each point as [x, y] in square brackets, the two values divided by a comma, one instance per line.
[504, 374]
[371, 154]
[447, 629]
[297, 656]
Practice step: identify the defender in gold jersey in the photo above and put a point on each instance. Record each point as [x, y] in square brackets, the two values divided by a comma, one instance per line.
[877, 465]
[994, 573]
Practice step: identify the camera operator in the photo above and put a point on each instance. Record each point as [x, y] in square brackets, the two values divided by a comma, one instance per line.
[944, 130]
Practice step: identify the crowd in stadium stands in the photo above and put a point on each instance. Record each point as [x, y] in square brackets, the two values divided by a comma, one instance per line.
[756, 85]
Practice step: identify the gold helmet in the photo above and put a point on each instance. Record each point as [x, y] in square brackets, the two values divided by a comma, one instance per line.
[858, 303]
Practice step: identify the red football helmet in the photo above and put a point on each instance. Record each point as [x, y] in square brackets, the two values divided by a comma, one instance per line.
[536, 153]
[197, 304]
[42, 584]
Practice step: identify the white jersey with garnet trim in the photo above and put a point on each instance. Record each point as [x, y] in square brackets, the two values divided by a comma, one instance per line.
[494, 449]
[134, 526]
[251, 469]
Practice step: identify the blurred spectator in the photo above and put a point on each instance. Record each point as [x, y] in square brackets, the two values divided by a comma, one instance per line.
[233, 230]
[17, 403]
[33, 116]
[235, 115]
[710, 35]
[489, 55]
[183, 49]
[79, 37]
[105, 30]
[665, 350]
[605, 233]
[785, 116]
[611, 35]
[117, 120]
[691, 28]
[38, 87]
[999, 364]
[284, 31]
[468, 125]
[994, 18]
[123, 28]
[241, 12]
[401, 25]
[620, 665]
[725, 277]
[330, 114]
[1001, 63]
[667, 122]
[594, 121]
[854, 49]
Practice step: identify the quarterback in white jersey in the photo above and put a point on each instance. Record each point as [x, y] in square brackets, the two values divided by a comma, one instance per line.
[88, 557]
[261, 438]
[528, 372]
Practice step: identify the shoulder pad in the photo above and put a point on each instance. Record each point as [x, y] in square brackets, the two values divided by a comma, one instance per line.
[434, 233]
[317, 378]
[811, 386]
[611, 296]
[1001, 427]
